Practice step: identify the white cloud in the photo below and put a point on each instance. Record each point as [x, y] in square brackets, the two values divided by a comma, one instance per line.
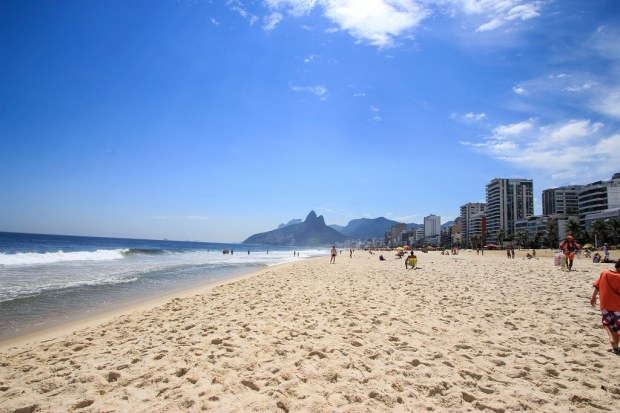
[571, 131]
[235, 5]
[315, 90]
[311, 58]
[516, 129]
[214, 22]
[374, 109]
[468, 117]
[520, 90]
[384, 23]
[272, 21]
[475, 117]
[607, 102]
[565, 149]
[294, 7]
[378, 22]
[497, 13]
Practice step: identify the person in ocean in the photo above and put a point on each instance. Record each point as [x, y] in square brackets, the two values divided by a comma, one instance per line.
[608, 287]
[334, 253]
[569, 247]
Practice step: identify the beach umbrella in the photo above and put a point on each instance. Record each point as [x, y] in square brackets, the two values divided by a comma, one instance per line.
[406, 247]
[399, 248]
[587, 246]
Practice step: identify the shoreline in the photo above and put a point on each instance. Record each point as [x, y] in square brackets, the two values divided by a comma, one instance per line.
[75, 322]
[461, 333]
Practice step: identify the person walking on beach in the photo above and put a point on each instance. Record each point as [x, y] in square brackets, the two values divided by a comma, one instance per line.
[569, 247]
[334, 253]
[608, 287]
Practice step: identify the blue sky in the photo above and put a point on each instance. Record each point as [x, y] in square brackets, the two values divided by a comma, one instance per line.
[214, 120]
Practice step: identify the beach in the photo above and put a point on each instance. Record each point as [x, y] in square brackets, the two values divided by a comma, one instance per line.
[466, 332]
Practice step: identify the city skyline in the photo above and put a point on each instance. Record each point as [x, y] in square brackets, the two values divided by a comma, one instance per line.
[212, 121]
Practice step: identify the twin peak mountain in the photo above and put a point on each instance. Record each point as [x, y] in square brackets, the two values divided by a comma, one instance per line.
[314, 232]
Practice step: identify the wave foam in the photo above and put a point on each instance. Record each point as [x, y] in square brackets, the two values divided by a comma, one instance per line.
[33, 258]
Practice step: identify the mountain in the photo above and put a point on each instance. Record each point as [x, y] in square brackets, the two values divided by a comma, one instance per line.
[291, 222]
[447, 224]
[365, 228]
[311, 232]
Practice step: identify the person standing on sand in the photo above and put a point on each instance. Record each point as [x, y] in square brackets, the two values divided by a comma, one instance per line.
[608, 286]
[606, 252]
[334, 253]
[569, 247]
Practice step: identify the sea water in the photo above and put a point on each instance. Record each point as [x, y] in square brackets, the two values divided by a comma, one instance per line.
[49, 279]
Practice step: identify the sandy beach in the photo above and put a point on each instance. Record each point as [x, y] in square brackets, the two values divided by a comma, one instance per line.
[462, 333]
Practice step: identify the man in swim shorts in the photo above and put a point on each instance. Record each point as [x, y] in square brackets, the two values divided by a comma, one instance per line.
[608, 286]
[333, 252]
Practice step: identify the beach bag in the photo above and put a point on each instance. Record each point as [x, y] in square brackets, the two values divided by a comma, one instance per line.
[557, 260]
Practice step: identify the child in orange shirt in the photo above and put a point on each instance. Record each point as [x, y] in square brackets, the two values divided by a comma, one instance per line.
[608, 286]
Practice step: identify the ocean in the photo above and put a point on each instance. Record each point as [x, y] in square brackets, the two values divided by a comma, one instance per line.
[46, 280]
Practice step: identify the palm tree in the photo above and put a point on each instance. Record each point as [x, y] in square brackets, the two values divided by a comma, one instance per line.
[523, 238]
[501, 234]
[475, 240]
[552, 233]
[614, 229]
[599, 228]
[537, 239]
[573, 228]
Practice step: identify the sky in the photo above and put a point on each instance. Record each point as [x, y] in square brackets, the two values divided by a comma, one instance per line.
[214, 120]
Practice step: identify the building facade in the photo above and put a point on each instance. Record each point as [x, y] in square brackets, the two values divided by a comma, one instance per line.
[478, 227]
[396, 234]
[508, 200]
[468, 211]
[599, 196]
[561, 201]
[432, 226]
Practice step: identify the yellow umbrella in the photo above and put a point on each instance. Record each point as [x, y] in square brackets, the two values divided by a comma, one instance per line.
[587, 246]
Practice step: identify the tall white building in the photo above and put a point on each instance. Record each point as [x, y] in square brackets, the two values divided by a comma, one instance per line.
[508, 200]
[432, 226]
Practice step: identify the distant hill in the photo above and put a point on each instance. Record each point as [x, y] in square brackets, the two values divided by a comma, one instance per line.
[311, 232]
[365, 228]
[447, 224]
[291, 222]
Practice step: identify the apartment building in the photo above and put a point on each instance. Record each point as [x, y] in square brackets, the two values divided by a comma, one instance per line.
[599, 196]
[561, 201]
[508, 200]
[468, 211]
